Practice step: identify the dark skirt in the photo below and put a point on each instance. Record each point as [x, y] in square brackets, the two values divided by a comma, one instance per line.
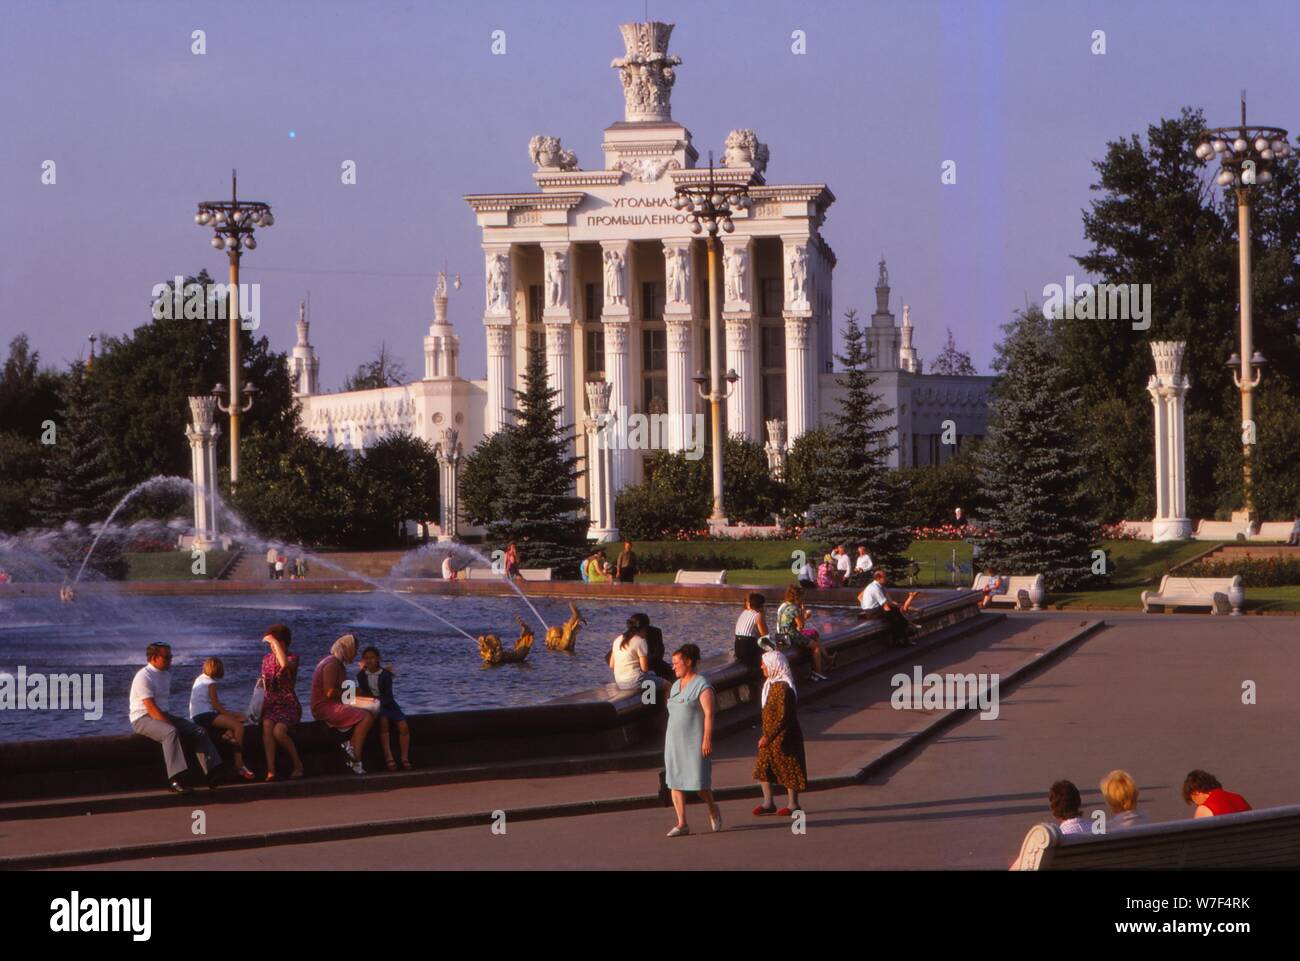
[747, 651]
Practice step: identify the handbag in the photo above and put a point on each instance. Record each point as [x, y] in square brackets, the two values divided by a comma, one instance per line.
[255, 702]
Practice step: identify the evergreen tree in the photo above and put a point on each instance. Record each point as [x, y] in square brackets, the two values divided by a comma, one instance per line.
[536, 508]
[859, 501]
[480, 477]
[951, 360]
[1032, 464]
[80, 483]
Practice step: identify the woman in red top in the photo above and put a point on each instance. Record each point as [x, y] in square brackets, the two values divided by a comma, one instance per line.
[327, 699]
[1204, 790]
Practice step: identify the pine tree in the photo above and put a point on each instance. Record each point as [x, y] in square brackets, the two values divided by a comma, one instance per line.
[1032, 464]
[536, 508]
[858, 500]
[80, 484]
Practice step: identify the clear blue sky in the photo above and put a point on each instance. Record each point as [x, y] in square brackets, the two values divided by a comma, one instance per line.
[141, 129]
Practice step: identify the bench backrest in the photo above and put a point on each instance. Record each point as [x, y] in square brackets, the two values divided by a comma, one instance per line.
[535, 573]
[1269, 838]
[1205, 587]
[1219, 530]
[481, 574]
[1275, 530]
[700, 577]
[1012, 584]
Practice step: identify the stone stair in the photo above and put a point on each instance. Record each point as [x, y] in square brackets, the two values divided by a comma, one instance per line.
[373, 564]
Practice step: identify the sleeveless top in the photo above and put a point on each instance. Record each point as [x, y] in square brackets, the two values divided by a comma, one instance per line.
[1225, 802]
[746, 624]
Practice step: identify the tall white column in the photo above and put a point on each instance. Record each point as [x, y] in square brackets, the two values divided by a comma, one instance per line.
[202, 435]
[498, 317]
[600, 463]
[1168, 389]
[449, 453]
[616, 316]
[800, 417]
[743, 413]
[679, 314]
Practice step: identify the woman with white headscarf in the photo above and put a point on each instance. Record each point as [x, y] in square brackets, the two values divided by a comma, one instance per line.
[780, 749]
[327, 700]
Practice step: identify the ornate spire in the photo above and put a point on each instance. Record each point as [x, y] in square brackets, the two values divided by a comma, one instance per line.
[303, 324]
[647, 72]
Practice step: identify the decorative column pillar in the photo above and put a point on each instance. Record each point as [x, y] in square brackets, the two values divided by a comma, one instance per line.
[558, 317]
[202, 435]
[800, 417]
[738, 314]
[775, 448]
[1168, 389]
[600, 489]
[616, 316]
[500, 335]
[679, 316]
[449, 453]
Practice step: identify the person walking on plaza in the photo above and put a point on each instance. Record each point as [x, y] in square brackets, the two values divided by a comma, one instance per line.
[1203, 789]
[750, 626]
[780, 749]
[688, 742]
[376, 681]
[150, 692]
[207, 711]
[792, 628]
[271, 555]
[875, 598]
[281, 711]
[1121, 794]
[625, 569]
[327, 700]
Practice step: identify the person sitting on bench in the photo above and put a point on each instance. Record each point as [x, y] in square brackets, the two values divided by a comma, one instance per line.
[874, 597]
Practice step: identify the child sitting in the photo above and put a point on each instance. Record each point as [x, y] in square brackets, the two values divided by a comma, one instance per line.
[376, 681]
[207, 711]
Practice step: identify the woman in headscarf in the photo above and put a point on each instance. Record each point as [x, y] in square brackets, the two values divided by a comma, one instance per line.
[327, 700]
[780, 749]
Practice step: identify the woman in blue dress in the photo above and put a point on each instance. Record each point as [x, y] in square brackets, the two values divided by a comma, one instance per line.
[688, 744]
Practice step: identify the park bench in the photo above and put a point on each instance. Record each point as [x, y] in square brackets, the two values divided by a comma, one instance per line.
[1274, 531]
[1216, 593]
[488, 574]
[1017, 591]
[700, 577]
[1208, 530]
[1268, 838]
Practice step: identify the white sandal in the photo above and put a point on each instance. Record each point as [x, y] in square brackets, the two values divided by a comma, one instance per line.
[678, 832]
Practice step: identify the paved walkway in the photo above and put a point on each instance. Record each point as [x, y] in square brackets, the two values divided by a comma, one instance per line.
[1156, 695]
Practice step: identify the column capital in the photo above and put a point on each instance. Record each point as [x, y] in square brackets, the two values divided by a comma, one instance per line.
[797, 329]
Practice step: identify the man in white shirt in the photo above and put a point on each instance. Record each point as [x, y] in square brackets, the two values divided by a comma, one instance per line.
[271, 556]
[807, 574]
[875, 598]
[843, 564]
[862, 566]
[150, 692]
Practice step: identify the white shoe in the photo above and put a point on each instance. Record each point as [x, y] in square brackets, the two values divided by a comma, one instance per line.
[716, 823]
[678, 832]
[347, 749]
[356, 768]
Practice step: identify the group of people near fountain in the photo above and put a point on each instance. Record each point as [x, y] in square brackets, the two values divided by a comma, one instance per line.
[274, 705]
[280, 565]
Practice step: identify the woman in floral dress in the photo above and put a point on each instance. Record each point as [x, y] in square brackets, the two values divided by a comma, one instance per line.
[281, 711]
[780, 749]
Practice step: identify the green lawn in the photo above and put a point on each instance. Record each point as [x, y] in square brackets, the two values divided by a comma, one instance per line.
[171, 566]
[1129, 598]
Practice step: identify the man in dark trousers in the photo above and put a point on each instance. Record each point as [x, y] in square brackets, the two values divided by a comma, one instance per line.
[625, 570]
[654, 640]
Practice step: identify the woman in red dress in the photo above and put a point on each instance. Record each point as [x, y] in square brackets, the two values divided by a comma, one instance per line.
[281, 711]
[327, 700]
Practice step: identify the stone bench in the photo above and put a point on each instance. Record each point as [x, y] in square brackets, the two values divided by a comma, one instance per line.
[700, 577]
[488, 574]
[1273, 531]
[1208, 530]
[1220, 594]
[1269, 838]
[1013, 588]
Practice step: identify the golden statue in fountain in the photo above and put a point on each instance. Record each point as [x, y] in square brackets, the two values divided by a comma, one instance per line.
[564, 638]
[493, 653]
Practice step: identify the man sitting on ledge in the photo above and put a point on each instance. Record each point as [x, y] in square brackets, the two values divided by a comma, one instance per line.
[149, 694]
[874, 597]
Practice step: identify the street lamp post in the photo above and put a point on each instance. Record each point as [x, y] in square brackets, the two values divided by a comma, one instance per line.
[709, 209]
[232, 222]
[1246, 155]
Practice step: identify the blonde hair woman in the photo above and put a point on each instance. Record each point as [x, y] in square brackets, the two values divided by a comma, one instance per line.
[1121, 794]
